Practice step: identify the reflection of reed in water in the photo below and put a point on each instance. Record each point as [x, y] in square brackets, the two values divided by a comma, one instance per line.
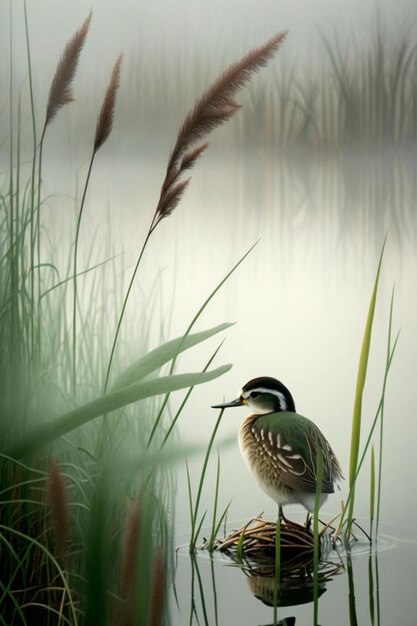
[348, 201]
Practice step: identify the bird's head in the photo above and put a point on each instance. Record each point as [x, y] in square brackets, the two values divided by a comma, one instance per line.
[263, 395]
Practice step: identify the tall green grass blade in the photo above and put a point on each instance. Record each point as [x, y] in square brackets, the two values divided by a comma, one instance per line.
[381, 424]
[158, 357]
[75, 274]
[214, 587]
[222, 519]
[353, 619]
[47, 433]
[201, 589]
[360, 385]
[64, 281]
[372, 491]
[194, 535]
[239, 547]
[371, 588]
[316, 536]
[187, 395]
[277, 581]
[371, 432]
[191, 325]
[216, 498]
[215, 525]
[32, 241]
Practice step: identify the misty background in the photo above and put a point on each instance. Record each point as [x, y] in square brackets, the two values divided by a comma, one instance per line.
[285, 170]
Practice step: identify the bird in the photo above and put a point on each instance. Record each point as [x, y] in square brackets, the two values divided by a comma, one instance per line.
[281, 447]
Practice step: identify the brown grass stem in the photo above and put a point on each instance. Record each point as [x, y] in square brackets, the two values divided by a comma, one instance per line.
[211, 110]
[103, 129]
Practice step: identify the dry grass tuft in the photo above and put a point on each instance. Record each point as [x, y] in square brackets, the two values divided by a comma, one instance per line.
[259, 536]
[157, 590]
[57, 501]
[105, 119]
[212, 109]
[60, 92]
[130, 550]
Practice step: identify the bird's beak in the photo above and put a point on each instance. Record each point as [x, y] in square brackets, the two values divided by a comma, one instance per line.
[237, 402]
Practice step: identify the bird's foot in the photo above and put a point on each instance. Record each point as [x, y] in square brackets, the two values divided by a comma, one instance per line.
[282, 517]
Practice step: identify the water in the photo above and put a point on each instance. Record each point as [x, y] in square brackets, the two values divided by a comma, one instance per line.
[363, 591]
[299, 302]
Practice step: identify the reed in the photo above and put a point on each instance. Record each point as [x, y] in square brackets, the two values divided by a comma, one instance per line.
[194, 509]
[216, 106]
[81, 495]
[60, 94]
[372, 492]
[346, 507]
[316, 535]
[103, 129]
[360, 385]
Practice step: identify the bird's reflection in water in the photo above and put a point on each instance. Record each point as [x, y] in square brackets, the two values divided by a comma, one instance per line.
[296, 583]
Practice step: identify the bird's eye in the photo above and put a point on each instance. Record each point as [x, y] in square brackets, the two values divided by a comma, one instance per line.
[254, 394]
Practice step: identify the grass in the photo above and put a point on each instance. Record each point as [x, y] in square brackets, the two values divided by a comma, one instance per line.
[86, 479]
[112, 487]
[358, 92]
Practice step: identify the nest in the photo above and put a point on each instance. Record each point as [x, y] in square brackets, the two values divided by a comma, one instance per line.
[258, 536]
[252, 548]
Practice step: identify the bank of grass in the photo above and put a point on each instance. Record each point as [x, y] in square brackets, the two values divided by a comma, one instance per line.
[87, 492]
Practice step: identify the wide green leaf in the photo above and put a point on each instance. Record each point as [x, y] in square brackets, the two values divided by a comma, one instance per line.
[116, 399]
[163, 354]
[360, 385]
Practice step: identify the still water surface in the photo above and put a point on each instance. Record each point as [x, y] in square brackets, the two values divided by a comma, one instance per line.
[300, 303]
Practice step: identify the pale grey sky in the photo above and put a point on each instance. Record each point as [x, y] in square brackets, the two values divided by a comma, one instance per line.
[164, 25]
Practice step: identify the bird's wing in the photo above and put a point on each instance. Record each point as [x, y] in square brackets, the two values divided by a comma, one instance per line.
[291, 442]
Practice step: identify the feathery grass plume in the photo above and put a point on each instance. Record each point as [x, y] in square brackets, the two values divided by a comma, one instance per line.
[60, 92]
[156, 611]
[212, 109]
[217, 105]
[57, 500]
[105, 119]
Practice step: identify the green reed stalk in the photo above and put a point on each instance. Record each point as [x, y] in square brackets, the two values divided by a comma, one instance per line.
[187, 395]
[38, 238]
[103, 129]
[32, 188]
[381, 425]
[277, 584]
[371, 431]
[214, 587]
[353, 619]
[371, 588]
[372, 491]
[190, 327]
[360, 384]
[316, 546]
[239, 546]
[194, 512]
[74, 276]
[215, 525]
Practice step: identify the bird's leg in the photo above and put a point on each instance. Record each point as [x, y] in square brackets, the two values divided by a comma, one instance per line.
[308, 520]
[281, 516]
